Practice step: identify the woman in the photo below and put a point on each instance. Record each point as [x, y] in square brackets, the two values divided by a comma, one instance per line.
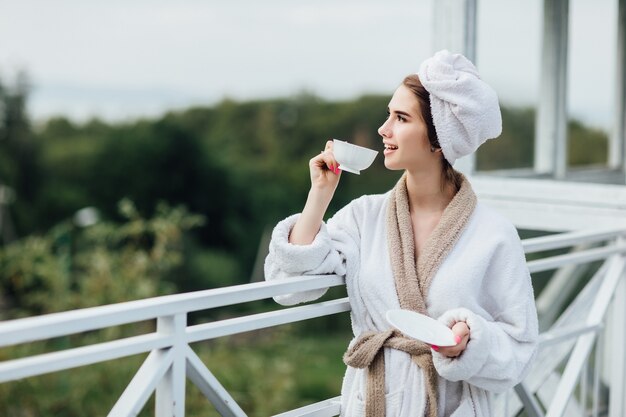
[428, 246]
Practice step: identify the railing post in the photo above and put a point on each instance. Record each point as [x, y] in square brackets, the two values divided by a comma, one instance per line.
[614, 349]
[170, 393]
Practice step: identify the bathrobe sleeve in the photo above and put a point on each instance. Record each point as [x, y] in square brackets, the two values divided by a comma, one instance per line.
[503, 329]
[335, 250]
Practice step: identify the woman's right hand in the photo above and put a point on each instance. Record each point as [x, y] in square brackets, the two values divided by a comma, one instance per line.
[325, 175]
[325, 171]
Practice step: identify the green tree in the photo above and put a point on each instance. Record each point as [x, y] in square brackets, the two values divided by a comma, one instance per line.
[71, 267]
[587, 146]
[19, 158]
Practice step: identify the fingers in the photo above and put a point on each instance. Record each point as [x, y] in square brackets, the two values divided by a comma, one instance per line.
[329, 157]
[331, 162]
[461, 337]
[460, 329]
[326, 159]
[451, 351]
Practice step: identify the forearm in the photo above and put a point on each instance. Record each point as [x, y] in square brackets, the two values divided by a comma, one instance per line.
[309, 222]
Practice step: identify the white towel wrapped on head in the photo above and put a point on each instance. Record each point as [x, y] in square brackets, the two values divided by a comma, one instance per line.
[464, 108]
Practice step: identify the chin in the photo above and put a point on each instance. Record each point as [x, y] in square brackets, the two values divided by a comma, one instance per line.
[392, 166]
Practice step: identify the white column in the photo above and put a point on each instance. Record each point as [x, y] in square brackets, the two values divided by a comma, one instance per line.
[455, 30]
[617, 146]
[551, 121]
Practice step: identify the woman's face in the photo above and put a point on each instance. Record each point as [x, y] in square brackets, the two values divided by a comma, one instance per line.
[405, 134]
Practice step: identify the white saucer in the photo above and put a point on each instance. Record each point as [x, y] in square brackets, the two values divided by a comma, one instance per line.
[421, 327]
[345, 168]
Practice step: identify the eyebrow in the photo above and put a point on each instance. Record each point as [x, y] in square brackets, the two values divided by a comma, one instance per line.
[399, 112]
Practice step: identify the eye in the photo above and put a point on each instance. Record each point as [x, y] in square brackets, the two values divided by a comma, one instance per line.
[401, 118]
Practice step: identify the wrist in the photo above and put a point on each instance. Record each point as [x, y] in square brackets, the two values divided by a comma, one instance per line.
[321, 193]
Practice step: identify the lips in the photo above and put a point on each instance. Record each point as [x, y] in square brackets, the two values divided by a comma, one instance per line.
[389, 149]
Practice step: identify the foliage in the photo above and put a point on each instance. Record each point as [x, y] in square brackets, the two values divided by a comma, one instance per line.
[515, 147]
[588, 146]
[72, 267]
[242, 165]
[19, 153]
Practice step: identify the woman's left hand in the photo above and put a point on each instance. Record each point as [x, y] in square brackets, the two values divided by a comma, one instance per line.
[461, 333]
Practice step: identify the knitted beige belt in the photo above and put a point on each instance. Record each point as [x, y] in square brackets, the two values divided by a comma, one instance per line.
[367, 352]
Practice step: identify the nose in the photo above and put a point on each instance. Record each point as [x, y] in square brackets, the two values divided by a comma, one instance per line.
[384, 129]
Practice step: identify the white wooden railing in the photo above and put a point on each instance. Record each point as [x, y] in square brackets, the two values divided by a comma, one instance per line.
[548, 390]
[171, 360]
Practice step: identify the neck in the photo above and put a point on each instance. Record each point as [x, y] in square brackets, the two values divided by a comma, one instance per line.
[428, 192]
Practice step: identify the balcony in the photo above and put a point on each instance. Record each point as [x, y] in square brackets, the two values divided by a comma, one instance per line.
[580, 368]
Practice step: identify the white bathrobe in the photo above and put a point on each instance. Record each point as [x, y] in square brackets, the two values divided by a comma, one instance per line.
[483, 281]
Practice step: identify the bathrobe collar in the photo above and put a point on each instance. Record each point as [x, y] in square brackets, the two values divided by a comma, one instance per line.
[413, 277]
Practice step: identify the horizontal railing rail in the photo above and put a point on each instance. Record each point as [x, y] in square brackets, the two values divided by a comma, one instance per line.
[77, 321]
[562, 240]
[66, 323]
[552, 337]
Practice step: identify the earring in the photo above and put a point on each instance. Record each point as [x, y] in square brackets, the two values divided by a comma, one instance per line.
[432, 148]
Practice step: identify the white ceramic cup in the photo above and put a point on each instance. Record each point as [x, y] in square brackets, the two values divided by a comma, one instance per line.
[352, 158]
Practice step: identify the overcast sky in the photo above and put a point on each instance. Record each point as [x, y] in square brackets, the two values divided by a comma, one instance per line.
[125, 59]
